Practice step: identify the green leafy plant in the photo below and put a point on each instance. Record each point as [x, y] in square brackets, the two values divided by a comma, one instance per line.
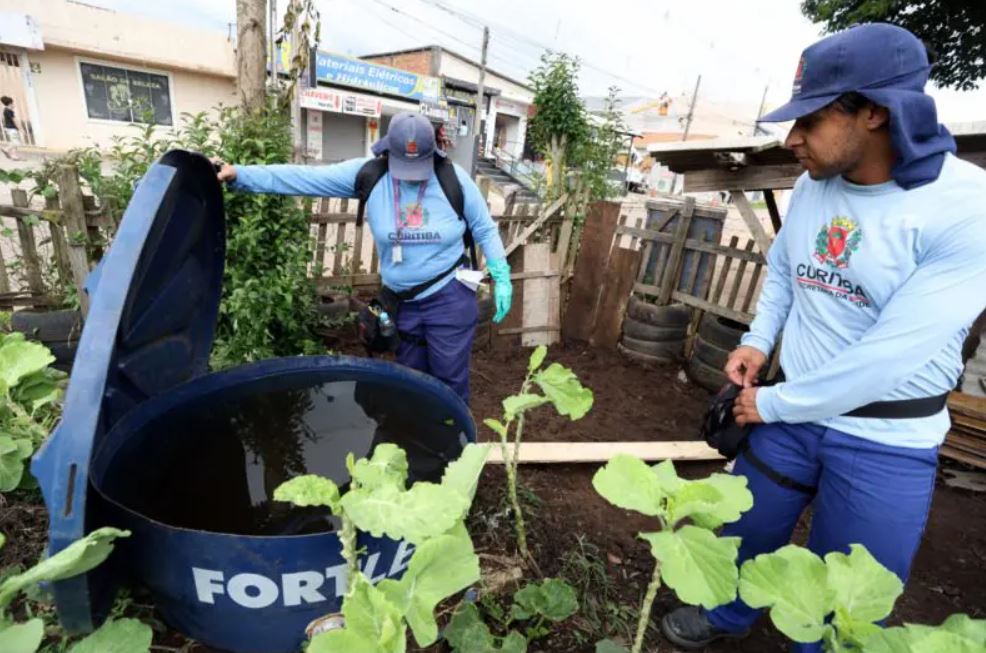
[428, 515]
[30, 392]
[561, 389]
[838, 601]
[78, 558]
[538, 604]
[689, 558]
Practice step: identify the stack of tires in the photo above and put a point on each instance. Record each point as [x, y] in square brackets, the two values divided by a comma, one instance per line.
[59, 331]
[654, 334]
[484, 328]
[717, 337]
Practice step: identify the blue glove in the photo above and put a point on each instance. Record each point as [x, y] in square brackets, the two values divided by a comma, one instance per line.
[503, 292]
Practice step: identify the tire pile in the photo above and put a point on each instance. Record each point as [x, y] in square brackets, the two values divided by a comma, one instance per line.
[716, 338]
[59, 331]
[654, 334]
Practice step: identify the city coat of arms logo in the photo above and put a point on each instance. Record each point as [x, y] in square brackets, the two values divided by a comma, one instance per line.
[836, 242]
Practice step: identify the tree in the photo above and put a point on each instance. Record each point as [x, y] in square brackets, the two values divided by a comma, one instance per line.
[955, 30]
[251, 53]
[560, 123]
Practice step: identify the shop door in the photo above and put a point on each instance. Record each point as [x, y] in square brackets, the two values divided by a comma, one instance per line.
[343, 137]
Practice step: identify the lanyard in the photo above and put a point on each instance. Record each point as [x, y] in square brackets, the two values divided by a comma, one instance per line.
[397, 203]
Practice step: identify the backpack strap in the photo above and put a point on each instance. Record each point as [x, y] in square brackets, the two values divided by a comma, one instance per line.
[374, 170]
[367, 177]
[452, 187]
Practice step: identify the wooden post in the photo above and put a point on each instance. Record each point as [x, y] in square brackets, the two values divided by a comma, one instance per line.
[58, 245]
[4, 280]
[621, 273]
[775, 215]
[590, 268]
[74, 216]
[540, 301]
[29, 248]
[677, 252]
[251, 53]
[749, 216]
[95, 238]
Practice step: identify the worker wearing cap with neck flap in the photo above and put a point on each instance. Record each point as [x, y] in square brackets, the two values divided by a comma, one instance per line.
[419, 237]
[876, 275]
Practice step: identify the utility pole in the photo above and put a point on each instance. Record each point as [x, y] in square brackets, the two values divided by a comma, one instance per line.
[688, 124]
[272, 35]
[763, 101]
[251, 52]
[480, 103]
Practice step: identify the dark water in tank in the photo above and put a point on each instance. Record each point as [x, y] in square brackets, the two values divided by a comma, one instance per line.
[214, 466]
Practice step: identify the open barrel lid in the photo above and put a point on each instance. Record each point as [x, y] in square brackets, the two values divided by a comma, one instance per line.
[151, 323]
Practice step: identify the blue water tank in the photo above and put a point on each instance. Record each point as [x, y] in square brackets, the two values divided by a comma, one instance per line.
[187, 460]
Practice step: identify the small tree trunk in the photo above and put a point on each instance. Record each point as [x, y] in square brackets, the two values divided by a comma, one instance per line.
[251, 52]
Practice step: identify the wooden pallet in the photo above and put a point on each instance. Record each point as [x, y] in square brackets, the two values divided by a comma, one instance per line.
[966, 442]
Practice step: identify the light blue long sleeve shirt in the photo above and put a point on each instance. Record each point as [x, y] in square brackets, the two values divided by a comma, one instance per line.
[874, 288]
[429, 244]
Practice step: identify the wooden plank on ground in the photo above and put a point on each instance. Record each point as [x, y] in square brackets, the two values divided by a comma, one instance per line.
[752, 221]
[966, 404]
[621, 273]
[537, 301]
[590, 267]
[598, 452]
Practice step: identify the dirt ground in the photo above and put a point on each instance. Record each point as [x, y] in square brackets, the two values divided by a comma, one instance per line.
[577, 534]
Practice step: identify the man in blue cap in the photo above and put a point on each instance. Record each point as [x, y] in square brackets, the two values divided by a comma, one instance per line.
[421, 222]
[874, 279]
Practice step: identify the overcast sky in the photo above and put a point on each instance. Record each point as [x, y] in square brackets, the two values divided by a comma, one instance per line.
[643, 46]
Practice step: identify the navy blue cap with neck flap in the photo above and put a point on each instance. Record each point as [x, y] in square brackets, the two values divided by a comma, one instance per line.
[150, 327]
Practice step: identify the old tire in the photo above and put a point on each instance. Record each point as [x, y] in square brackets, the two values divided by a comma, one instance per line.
[486, 308]
[643, 359]
[714, 357]
[675, 315]
[669, 350]
[705, 376]
[638, 330]
[721, 332]
[48, 326]
[333, 307]
[64, 353]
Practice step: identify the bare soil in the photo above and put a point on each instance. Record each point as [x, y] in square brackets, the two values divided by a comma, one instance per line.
[569, 518]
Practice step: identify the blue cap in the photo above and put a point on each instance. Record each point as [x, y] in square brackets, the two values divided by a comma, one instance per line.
[410, 144]
[866, 57]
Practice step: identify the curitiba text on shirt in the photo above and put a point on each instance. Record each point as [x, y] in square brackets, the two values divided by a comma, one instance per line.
[831, 283]
[415, 237]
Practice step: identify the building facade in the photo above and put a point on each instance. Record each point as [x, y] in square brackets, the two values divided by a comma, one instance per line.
[507, 102]
[89, 74]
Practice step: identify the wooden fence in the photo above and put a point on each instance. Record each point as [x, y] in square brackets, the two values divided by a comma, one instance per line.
[57, 245]
[720, 279]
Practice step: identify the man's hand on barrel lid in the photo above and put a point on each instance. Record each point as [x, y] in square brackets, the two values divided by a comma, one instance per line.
[224, 172]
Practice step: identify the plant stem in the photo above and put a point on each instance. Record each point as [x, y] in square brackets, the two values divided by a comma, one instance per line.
[652, 587]
[347, 537]
[512, 465]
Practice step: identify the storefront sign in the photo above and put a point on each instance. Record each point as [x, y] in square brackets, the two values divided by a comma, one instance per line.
[313, 137]
[435, 111]
[327, 99]
[346, 71]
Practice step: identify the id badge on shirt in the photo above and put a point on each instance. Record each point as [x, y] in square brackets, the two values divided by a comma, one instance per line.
[396, 254]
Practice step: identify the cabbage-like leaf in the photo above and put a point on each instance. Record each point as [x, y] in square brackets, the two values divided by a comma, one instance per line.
[462, 474]
[466, 633]
[22, 638]
[609, 646]
[958, 634]
[387, 466]
[438, 569]
[373, 625]
[117, 636]
[697, 565]
[732, 500]
[627, 482]
[537, 358]
[565, 391]
[20, 358]
[426, 510]
[793, 583]
[309, 490]
[865, 591]
[497, 426]
[13, 453]
[77, 558]
[514, 405]
[553, 599]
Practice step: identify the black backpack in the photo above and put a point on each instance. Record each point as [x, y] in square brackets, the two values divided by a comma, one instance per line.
[373, 170]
